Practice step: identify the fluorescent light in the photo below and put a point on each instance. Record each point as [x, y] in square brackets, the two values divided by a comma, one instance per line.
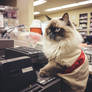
[1, 8]
[36, 13]
[39, 2]
[69, 6]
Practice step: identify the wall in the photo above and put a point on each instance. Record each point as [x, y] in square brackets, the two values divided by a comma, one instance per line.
[74, 14]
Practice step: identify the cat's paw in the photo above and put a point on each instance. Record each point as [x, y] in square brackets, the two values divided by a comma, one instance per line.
[43, 74]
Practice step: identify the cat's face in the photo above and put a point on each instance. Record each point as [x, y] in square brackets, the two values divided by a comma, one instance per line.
[59, 29]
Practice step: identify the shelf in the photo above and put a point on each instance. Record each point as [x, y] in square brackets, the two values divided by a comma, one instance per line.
[83, 27]
[90, 29]
[91, 14]
[83, 23]
[82, 30]
[9, 15]
[83, 18]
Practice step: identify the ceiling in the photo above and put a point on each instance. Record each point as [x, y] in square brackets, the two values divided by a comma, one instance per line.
[55, 3]
[48, 4]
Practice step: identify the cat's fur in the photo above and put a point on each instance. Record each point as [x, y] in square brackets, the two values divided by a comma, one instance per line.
[61, 46]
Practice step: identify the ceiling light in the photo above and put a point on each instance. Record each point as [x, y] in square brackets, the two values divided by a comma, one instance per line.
[69, 6]
[39, 2]
[36, 13]
[1, 8]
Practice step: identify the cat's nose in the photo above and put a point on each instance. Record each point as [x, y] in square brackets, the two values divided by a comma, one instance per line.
[52, 36]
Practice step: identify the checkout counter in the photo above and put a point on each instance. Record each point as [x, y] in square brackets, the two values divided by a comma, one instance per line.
[19, 69]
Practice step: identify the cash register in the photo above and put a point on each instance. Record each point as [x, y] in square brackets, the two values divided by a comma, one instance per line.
[19, 71]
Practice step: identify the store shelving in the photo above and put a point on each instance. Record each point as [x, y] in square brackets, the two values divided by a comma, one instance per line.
[90, 27]
[9, 15]
[83, 24]
[83, 20]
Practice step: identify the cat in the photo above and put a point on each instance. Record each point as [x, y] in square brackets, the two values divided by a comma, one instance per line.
[65, 57]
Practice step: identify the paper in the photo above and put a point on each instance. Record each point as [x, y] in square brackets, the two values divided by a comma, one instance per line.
[1, 21]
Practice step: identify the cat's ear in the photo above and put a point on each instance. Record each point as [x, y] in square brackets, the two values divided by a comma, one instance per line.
[65, 18]
[48, 18]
